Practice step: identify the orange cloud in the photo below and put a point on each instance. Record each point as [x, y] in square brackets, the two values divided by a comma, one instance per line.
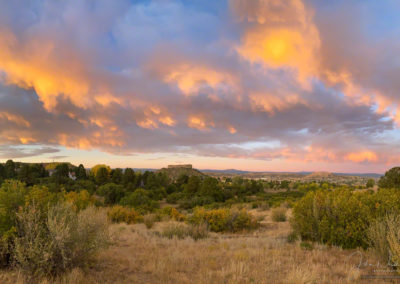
[190, 78]
[199, 122]
[363, 156]
[272, 103]
[17, 119]
[38, 63]
[279, 34]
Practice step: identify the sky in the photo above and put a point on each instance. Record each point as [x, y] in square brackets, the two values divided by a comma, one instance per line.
[260, 85]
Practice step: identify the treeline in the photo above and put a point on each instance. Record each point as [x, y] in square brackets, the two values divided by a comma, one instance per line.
[144, 190]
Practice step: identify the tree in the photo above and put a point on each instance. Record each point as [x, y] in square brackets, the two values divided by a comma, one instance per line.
[128, 177]
[137, 198]
[94, 170]
[62, 171]
[61, 174]
[102, 175]
[370, 183]
[116, 176]
[192, 185]
[391, 179]
[80, 172]
[9, 168]
[2, 172]
[111, 192]
[211, 188]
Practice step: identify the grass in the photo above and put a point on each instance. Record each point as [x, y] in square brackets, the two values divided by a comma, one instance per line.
[260, 256]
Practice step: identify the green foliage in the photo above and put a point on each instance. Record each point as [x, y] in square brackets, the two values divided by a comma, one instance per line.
[341, 217]
[12, 198]
[80, 172]
[370, 183]
[10, 170]
[116, 176]
[391, 179]
[102, 176]
[306, 246]
[111, 192]
[138, 198]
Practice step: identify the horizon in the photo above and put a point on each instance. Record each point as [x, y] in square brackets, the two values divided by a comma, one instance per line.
[259, 86]
[200, 169]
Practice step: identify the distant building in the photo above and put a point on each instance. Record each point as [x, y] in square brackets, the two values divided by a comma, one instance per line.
[187, 166]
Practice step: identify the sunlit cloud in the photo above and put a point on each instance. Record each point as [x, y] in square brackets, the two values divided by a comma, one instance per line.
[139, 77]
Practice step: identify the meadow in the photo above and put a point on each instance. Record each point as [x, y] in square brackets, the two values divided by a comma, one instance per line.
[120, 226]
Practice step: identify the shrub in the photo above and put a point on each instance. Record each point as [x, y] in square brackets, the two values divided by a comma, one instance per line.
[62, 241]
[120, 214]
[377, 237]
[181, 231]
[219, 220]
[279, 214]
[384, 238]
[240, 220]
[292, 237]
[172, 213]
[306, 246]
[111, 192]
[334, 217]
[149, 220]
[216, 219]
[342, 217]
[80, 200]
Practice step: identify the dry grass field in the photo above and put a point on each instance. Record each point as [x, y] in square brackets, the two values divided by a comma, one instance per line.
[140, 255]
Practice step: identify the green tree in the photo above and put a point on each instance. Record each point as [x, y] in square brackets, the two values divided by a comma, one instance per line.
[193, 185]
[10, 169]
[102, 176]
[2, 173]
[391, 179]
[116, 176]
[80, 172]
[111, 192]
[137, 198]
[370, 183]
[128, 176]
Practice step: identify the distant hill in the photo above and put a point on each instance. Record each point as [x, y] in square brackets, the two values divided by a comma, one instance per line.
[175, 172]
[320, 175]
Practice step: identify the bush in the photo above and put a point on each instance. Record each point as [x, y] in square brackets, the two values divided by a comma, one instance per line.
[62, 241]
[120, 214]
[80, 200]
[279, 214]
[172, 213]
[342, 217]
[219, 220]
[377, 237]
[182, 231]
[384, 238]
[333, 217]
[149, 220]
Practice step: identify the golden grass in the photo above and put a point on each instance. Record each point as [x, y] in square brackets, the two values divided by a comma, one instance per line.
[261, 256]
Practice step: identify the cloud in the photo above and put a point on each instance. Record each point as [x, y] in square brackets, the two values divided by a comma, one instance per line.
[196, 78]
[14, 152]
